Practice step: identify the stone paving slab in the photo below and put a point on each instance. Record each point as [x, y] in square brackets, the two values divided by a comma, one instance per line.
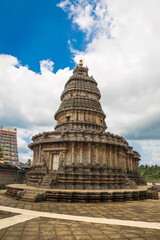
[5, 214]
[147, 210]
[49, 229]
[30, 214]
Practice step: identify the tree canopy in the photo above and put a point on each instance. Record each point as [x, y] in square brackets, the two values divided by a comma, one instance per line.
[28, 163]
[150, 173]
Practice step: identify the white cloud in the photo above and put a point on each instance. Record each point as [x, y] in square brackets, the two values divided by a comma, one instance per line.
[89, 16]
[46, 66]
[124, 57]
[26, 97]
[150, 148]
[28, 100]
[23, 157]
[24, 137]
[126, 64]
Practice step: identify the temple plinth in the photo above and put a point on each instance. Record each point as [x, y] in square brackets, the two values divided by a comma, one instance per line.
[80, 154]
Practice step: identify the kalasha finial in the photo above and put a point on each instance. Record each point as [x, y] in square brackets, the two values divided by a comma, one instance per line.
[81, 63]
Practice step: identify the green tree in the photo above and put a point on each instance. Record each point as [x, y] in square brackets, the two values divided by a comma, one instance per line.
[28, 163]
[150, 173]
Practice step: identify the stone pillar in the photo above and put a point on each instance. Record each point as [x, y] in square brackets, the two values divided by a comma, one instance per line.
[89, 153]
[77, 116]
[84, 114]
[34, 156]
[81, 153]
[110, 155]
[37, 155]
[50, 159]
[64, 156]
[131, 163]
[107, 156]
[104, 154]
[40, 160]
[127, 161]
[89, 116]
[97, 153]
[115, 156]
[73, 144]
[124, 160]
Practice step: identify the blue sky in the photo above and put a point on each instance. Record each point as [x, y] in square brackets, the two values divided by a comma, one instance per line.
[35, 30]
[40, 44]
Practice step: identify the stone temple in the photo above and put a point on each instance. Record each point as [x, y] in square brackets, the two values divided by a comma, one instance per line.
[80, 154]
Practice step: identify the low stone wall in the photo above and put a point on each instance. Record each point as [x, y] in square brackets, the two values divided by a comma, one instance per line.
[8, 175]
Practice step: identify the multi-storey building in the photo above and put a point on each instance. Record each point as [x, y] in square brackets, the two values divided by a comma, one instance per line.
[8, 143]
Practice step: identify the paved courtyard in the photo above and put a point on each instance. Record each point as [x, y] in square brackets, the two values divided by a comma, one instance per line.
[135, 220]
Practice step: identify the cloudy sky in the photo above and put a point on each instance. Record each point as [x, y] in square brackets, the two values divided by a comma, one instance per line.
[119, 41]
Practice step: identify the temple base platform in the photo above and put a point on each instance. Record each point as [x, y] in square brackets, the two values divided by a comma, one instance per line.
[37, 194]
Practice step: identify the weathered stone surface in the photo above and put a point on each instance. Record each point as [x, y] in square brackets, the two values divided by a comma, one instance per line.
[79, 154]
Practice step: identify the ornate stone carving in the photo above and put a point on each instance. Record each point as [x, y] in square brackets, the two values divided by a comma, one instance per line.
[85, 160]
[77, 158]
[61, 160]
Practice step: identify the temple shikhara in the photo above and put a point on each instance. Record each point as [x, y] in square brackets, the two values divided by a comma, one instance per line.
[80, 153]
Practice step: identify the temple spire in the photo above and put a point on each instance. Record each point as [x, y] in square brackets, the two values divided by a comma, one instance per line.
[81, 63]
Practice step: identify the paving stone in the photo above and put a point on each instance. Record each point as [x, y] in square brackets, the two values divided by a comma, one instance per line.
[11, 238]
[49, 229]
[4, 214]
[115, 236]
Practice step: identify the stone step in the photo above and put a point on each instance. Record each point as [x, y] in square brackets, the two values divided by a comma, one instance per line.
[46, 180]
[27, 199]
[29, 194]
[29, 190]
[48, 176]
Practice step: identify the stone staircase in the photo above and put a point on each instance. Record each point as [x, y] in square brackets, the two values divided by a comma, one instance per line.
[47, 179]
[29, 195]
[32, 195]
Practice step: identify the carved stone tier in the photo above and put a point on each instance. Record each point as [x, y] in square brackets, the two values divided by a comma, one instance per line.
[80, 107]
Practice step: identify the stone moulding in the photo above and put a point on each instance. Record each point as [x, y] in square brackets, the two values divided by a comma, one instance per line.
[82, 195]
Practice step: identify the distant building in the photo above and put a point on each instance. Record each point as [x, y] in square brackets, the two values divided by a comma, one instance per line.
[8, 143]
[1, 158]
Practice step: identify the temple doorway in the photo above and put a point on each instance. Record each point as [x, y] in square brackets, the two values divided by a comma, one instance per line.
[55, 161]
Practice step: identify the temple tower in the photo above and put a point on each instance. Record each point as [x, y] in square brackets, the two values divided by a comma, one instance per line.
[80, 154]
[80, 107]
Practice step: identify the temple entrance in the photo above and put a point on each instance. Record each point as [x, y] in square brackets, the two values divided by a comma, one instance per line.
[55, 161]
